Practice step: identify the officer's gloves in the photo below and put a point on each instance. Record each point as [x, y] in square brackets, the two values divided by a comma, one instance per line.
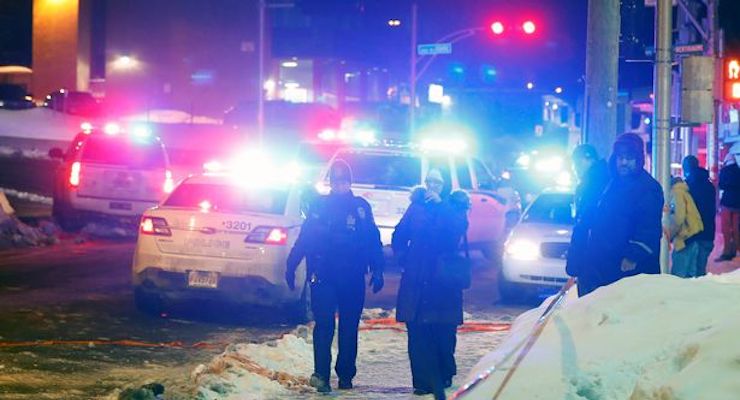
[376, 282]
[290, 278]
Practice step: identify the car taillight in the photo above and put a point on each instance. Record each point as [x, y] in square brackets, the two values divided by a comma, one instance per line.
[154, 226]
[169, 184]
[74, 174]
[268, 235]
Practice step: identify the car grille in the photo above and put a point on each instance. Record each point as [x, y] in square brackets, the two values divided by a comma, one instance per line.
[555, 250]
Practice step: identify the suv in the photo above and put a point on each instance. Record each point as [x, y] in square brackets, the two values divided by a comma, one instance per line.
[110, 174]
[217, 236]
[385, 176]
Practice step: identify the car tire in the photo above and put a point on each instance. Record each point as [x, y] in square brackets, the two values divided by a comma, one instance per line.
[147, 302]
[68, 219]
[510, 292]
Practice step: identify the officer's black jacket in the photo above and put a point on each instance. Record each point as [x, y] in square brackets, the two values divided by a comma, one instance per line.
[339, 238]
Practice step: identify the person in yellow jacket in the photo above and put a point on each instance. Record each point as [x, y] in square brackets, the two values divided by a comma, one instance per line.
[682, 221]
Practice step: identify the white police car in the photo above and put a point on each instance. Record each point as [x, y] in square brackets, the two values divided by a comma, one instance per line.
[219, 235]
[110, 173]
[385, 175]
[536, 250]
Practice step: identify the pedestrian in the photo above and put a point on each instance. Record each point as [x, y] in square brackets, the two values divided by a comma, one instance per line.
[625, 228]
[340, 242]
[682, 221]
[729, 186]
[705, 197]
[426, 242]
[593, 177]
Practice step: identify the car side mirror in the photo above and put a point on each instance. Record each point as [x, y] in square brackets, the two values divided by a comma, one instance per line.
[56, 153]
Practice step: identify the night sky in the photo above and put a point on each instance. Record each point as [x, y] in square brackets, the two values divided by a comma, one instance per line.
[555, 56]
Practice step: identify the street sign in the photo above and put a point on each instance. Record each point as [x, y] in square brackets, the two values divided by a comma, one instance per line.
[434, 48]
[689, 49]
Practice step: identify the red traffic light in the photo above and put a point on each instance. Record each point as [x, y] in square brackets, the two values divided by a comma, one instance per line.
[529, 27]
[497, 28]
[732, 79]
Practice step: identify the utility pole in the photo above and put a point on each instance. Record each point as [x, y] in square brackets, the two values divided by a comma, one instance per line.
[412, 78]
[261, 69]
[602, 67]
[716, 53]
[662, 107]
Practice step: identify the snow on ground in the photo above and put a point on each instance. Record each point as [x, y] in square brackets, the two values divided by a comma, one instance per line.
[39, 123]
[647, 337]
[248, 371]
[32, 197]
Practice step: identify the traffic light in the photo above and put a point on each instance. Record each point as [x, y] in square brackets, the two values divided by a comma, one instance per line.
[529, 27]
[732, 79]
[497, 27]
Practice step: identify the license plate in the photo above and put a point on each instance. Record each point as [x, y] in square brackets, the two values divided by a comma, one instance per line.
[114, 205]
[200, 243]
[202, 279]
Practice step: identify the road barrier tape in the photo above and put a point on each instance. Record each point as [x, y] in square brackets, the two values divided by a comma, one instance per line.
[466, 327]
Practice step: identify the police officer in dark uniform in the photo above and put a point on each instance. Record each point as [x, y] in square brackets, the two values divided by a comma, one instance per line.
[340, 242]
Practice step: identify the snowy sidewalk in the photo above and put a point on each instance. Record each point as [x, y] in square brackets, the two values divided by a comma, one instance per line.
[383, 366]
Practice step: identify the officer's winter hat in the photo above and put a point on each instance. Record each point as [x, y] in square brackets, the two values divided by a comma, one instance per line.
[340, 172]
[630, 145]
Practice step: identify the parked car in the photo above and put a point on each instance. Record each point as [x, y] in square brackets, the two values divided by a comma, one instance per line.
[216, 236]
[109, 174]
[14, 97]
[74, 103]
[536, 250]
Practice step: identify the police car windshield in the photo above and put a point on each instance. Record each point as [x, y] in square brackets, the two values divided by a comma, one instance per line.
[383, 169]
[123, 151]
[229, 199]
[551, 208]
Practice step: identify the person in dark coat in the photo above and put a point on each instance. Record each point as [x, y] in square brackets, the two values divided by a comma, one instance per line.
[729, 185]
[340, 242]
[593, 177]
[625, 228]
[431, 305]
[705, 197]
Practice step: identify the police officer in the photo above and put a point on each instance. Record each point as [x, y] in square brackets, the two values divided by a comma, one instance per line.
[340, 241]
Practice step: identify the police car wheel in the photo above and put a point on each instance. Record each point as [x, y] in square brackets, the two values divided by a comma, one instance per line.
[149, 303]
[68, 219]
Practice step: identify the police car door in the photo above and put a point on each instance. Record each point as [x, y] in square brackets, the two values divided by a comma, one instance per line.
[487, 214]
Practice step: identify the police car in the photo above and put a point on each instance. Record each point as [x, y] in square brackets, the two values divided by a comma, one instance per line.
[109, 173]
[222, 236]
[384, 176]
[536, 250]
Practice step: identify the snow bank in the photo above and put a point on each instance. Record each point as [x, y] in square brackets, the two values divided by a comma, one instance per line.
[279, 369]
[39, 123]
[647, 337]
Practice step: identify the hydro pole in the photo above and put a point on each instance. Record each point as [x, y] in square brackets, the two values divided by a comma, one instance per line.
[662, 108]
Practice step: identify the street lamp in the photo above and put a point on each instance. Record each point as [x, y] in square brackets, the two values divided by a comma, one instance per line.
[125, 63]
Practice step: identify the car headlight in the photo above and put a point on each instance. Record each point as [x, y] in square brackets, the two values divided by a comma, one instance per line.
[522, 249]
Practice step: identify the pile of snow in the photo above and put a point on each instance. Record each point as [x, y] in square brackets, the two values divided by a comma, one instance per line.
[39, 123]
[647, 337]
[106, 231]
[14, 233]
[32, 197]
[7, 151]
[281, 368]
